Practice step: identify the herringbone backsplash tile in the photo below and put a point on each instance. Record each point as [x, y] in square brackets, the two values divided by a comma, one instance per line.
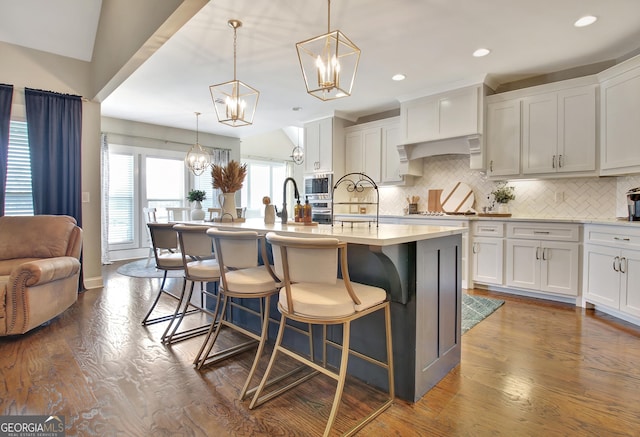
[558, 198]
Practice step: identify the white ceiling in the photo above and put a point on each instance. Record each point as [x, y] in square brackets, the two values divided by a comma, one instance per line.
[430, 41]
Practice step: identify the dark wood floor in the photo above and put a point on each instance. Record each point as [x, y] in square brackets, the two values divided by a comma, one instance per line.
[532, 368]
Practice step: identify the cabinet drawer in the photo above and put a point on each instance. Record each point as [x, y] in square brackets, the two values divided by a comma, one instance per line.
[552, 231]
[617, 236]
[488, 229]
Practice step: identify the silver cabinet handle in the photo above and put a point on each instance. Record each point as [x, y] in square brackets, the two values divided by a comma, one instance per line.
[553, 162]
[559, 161]
[544, 254]
[617, 258]
[623, 259]
[491, 166]
[537, 253]
[542, 232]
[622, 238]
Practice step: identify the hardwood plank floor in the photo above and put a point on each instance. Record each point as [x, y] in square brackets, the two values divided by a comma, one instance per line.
[531, 368]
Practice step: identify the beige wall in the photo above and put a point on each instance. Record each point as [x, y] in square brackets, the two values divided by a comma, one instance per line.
[34, 69]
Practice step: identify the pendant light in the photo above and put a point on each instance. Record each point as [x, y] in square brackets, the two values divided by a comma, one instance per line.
[197, 159]
[235, 102]
[329, 63]
[297, 154]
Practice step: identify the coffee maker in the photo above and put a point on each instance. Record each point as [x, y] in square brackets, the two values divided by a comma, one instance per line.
[633, 203]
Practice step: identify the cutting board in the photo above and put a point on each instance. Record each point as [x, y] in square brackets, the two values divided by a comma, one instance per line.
[433, 201]
[457, 197]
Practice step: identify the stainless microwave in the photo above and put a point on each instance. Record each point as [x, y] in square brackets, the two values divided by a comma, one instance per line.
[318, 184]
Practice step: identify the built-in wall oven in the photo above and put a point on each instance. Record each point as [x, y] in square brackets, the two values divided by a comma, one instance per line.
[318, 188]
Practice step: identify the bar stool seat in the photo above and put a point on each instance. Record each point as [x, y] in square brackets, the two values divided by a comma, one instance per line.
[313, 293]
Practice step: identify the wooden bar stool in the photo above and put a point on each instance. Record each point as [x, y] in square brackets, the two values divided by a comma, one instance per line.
[313, 293]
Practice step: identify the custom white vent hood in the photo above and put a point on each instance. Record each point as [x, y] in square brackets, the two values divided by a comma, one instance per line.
[464, 145]
[449, 123]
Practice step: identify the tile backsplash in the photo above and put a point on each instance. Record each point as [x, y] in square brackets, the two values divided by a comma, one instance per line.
[593, 197]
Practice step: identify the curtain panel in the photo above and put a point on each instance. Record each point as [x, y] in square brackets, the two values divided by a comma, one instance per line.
[6, 96]
[54, 123]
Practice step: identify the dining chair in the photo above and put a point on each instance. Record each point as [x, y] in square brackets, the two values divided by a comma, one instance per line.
[313, 293]
[167, 257]
[149, 217]
[213, 213]
[178, 214]
[241, 278]
[200, 265]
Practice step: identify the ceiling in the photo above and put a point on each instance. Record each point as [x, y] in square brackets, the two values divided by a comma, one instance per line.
[430, 41]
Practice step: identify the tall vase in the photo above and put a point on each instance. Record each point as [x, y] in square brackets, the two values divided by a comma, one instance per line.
[197, 213]
[269, 214]
[227, 202]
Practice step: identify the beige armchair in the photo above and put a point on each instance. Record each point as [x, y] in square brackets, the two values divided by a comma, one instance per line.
[39, 269]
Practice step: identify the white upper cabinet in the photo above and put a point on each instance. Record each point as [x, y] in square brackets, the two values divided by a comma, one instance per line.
[559, 131]
[362, 152]
[620, 118]
[502, 138]
[544, 130]
[446, 115]
[324, 146]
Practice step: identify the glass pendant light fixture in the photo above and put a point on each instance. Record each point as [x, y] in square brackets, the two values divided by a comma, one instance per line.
[235, 102]
[297, 154]
[329, 63]
[197, 159]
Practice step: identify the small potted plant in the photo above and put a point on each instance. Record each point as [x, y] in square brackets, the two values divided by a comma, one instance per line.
[502, 195]
[195, 197]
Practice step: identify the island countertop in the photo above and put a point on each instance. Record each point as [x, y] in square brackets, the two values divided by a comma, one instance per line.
[360, 233]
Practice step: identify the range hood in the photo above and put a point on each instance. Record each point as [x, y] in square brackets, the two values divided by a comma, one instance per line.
[463, 145]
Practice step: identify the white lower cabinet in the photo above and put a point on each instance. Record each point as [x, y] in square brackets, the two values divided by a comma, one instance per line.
[539, 262]
[612, 268]
[487, 252]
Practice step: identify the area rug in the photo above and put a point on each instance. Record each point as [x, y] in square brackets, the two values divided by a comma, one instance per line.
[477, 308]
[139, 269]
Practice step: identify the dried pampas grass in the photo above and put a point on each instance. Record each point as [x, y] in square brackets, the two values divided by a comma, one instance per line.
[228, 179]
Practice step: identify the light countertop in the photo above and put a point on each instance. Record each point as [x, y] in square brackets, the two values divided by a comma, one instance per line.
[361, 233]
[597, 221]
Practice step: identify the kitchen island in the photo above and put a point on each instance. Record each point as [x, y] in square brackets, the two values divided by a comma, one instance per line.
[420, 268]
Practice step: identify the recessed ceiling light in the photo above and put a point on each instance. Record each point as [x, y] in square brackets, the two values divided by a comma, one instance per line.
[481, 52]
[399, 76]
[585, 21]
[296, 108]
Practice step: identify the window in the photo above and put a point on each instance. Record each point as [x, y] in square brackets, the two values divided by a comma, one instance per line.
[141, 177]
[18, 195]
[264, 178]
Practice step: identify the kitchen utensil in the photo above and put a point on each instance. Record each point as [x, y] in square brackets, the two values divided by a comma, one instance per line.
[457, 197]
[433, 203]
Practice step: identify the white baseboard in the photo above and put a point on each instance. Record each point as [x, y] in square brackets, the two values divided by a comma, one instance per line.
[94, 282]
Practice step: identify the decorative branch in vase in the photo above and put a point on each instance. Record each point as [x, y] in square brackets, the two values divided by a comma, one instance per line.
[228, 179]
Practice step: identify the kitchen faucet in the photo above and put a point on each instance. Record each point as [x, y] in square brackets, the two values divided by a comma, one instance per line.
[283, 213]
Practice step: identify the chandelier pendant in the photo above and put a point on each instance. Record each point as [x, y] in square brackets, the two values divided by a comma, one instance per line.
[197, 159]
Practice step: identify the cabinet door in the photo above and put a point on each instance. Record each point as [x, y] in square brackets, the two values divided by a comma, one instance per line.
[577, 129]
[603, 281]
[311, 146]
[559, 268]
[487, 259]
[325, 146]
[523, 263]
[540, 133]
[620, 121]
[503, 138]
[630, 277]
[390, 165]
[354, 152]
[372, 142]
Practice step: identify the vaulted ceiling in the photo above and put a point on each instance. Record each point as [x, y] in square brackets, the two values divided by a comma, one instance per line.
[430, 41]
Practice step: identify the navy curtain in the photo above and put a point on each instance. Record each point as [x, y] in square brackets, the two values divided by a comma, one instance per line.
[54, 123]
[6, 95]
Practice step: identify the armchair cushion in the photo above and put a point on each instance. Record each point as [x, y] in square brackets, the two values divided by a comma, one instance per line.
[39, 269]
